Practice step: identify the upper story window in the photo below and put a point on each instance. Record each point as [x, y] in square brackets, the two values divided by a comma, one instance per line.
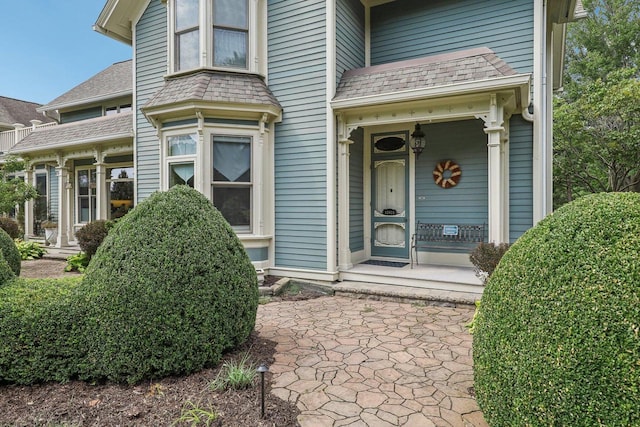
[108, 111]
[213, 33]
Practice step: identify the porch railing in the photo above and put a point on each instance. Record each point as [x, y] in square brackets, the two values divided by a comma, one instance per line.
[9, 138]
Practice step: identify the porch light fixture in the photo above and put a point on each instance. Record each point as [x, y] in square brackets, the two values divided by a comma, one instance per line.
[418, 140]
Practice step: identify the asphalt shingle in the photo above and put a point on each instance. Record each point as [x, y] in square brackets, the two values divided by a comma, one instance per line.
[214, 86]
[116, 79]
[456, 67]
[77, 133]
[15, 111]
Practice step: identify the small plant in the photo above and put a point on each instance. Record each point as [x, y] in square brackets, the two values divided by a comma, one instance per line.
[471, 325]
[78, 262]
[367, 309]
[30, 250]
[90, 236]
[485, 258]
[11, 226]
[194, 415]
[235, 374]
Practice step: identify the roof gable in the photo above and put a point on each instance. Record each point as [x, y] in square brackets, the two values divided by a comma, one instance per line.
[14, 111]
[114, 81]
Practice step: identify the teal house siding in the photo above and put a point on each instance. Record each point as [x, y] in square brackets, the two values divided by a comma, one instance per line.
[150, 63]
[84, 114]
[297, 77]
[54, 192]
[408, 29]
[520, 177]
[349, 36]
[465, 143]
[356, 193]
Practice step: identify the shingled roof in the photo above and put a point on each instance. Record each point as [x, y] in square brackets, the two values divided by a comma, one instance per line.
[115, 80]
[431, 71]
[215, 87]
[101, 129]
[15, 111]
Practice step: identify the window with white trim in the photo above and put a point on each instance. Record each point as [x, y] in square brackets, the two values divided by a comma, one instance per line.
[181, 157]
[232, 186]
[226, 40]
[86, 195]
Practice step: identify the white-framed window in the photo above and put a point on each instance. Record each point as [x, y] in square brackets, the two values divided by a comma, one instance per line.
[181, 155]
[215, 34]
[115, 109]
[86, 195]
[120, 189]
[232, 184]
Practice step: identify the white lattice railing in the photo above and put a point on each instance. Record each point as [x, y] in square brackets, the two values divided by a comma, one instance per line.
[9, 138]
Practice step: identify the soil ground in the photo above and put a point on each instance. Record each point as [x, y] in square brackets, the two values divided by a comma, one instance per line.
[163, 402]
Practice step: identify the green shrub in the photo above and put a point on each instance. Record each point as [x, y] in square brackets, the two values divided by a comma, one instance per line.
[30, 249]
[557, 337]
[6, 274]
[38, 336]
[485, 258]
[10, 252]
[170, 288]
[11, 226]
[91, 235]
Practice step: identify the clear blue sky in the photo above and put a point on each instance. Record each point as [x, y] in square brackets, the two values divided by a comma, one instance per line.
[48, 46]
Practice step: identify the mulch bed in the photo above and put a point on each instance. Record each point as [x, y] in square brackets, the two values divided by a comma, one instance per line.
[151, 403]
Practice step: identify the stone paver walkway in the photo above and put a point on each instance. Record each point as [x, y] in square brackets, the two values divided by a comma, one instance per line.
[348, 362]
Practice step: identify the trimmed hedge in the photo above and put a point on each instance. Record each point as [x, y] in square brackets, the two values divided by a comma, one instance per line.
[170, 288]
[6, 274]
[38, 333]
[167, 292]
[557, 337]
[10, 252]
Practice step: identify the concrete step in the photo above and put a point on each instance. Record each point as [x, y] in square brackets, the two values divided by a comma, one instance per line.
[387, 292]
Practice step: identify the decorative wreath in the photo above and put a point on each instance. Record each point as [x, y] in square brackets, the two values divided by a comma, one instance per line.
[441, 168]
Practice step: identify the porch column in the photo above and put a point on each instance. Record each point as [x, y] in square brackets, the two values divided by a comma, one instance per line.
[28, 205]
[62, 173]
[101, 185]
[494, 130]
[344, 251]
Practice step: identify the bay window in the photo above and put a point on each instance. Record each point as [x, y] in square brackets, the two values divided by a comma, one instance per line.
[225, 40]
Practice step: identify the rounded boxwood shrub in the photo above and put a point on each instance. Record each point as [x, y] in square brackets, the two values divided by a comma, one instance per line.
[10, 252]
[91, 235]
[170, 288]
[6, 274]
[557, 337]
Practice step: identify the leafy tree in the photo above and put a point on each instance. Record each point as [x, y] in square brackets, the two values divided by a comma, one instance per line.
[597, 117]
[13, 191]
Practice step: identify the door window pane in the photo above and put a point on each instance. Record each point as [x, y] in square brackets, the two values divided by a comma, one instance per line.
[120, 182]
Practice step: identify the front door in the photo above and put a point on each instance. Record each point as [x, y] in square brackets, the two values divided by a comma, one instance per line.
[389, 216]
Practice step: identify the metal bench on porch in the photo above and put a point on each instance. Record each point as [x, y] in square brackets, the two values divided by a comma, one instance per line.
[445, 236]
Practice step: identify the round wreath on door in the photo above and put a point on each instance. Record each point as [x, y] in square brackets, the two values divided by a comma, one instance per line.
[447, 174]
